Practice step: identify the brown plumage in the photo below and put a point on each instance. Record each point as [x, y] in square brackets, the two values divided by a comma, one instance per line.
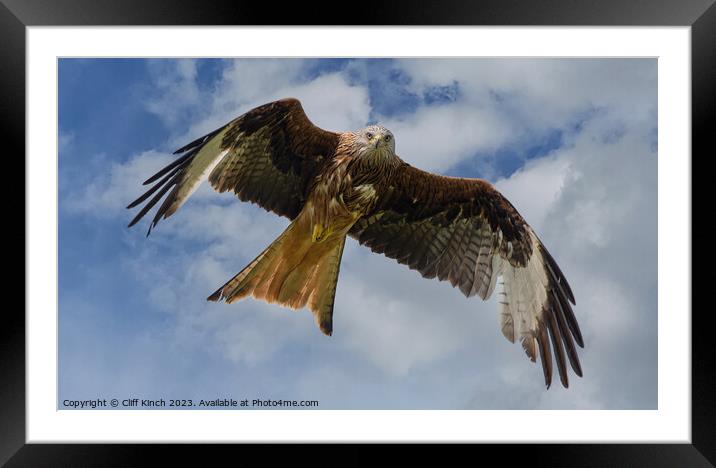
[332, 185]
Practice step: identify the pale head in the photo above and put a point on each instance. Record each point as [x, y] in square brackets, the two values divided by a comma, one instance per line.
[376, 139]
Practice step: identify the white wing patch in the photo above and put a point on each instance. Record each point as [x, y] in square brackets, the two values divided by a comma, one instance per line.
[534, 307]
[522, 297]
[197, 181]
[203, 163]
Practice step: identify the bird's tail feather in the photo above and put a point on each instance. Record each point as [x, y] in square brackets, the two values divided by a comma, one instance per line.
[293, 271]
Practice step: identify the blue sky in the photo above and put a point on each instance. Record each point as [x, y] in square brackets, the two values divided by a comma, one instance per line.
[571, 142]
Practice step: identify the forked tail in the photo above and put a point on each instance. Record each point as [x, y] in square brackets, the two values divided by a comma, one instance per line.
[293, 271]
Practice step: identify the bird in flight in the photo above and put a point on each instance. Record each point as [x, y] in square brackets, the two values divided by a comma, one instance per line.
[332, 185]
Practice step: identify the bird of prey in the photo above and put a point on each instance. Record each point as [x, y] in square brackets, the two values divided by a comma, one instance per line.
[332, 185]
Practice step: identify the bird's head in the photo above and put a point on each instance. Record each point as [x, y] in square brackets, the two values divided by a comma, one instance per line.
[376, 139]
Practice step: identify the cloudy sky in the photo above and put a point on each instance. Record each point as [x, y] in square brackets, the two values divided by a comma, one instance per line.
[571, 142]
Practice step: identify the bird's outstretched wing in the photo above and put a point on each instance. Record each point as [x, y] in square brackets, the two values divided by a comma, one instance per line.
[267, 156]
[464, 231]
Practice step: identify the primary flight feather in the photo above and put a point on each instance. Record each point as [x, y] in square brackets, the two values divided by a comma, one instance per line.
[332, 185]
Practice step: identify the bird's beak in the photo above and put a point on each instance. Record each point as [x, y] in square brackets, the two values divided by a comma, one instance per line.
[377, 141]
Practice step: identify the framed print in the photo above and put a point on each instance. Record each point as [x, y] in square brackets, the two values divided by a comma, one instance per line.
[537, 160]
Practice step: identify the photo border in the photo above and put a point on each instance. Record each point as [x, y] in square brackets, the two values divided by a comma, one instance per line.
[700, 15]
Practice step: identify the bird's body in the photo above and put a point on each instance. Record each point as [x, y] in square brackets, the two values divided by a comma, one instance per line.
[301, 266]
[334, 185]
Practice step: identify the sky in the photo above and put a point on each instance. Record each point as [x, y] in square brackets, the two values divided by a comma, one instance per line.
[572, 143]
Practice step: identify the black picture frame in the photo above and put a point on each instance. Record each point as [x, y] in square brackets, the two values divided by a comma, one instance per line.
[16, 15]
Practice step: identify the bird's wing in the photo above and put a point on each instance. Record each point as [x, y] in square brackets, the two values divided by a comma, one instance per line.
[464, 231]
[267, 156]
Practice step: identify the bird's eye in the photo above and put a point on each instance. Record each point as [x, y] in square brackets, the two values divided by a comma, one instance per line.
[369, 135]
[387, 138]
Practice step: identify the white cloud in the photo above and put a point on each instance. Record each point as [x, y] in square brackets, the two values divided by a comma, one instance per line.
[535, 187]
[545, 93]
[507, 102]
[436, 138]
[64, 140]
[247, 83]
[331, 102]
[399, 321]
[178, 91]
[592, 201]
[110, 192]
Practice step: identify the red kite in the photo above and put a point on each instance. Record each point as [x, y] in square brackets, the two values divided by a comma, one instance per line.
[332, 185]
